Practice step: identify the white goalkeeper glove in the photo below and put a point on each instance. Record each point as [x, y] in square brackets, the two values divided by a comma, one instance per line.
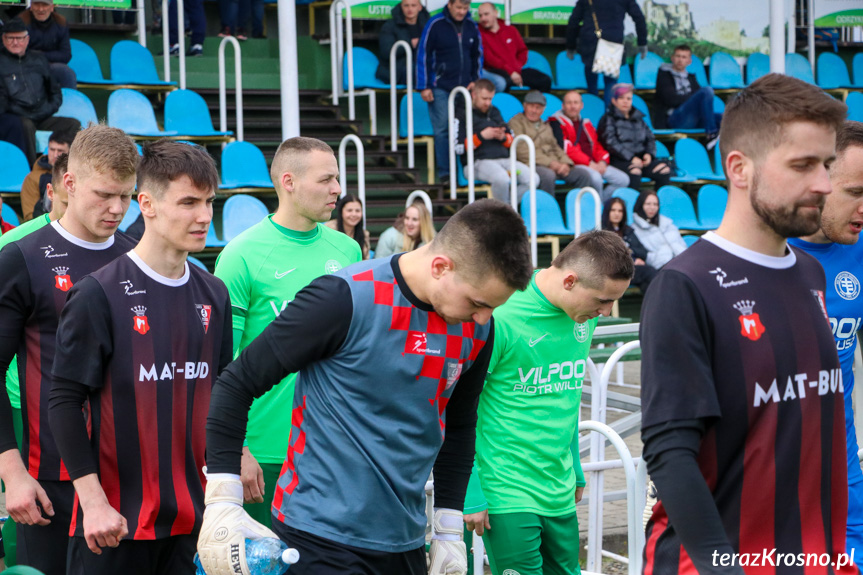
[447, 554]
[226, 526]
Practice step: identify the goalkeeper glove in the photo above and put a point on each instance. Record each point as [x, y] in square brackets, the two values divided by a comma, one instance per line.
[447, 554]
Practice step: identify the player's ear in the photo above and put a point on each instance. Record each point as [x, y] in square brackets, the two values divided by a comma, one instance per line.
[738, 169]
[287, 180]
[145, 202]
[69, 183]
[49, 191]
[440, 265]
[570, 278]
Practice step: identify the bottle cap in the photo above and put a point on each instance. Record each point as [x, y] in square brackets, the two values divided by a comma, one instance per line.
[290, 556]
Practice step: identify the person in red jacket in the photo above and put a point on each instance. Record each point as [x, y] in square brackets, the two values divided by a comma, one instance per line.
[504, 54]
[4, 227]
[577, 136]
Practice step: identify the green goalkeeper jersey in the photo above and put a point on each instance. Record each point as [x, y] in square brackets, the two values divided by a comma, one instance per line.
[264, 268]
[529, 408]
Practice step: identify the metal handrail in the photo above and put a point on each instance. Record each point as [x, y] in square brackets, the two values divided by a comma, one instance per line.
[238, 86]
[361, 170]
[142, 23]
[513, 187]
[181, 41]
[423, 196]
[410, 100]
[337, 55]
[453, 171]
[597, 202]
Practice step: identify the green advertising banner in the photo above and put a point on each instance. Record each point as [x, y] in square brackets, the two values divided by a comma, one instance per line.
[380, 9]
[843, 18]
[540, 12]
[11, 2]
[110, 4]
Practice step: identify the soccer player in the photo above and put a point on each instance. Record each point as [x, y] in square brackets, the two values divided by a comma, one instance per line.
[836, 245]
[529, 407]
[142, 340]
[743, 415]
[379, 347]
[264, 268]
[38, 271]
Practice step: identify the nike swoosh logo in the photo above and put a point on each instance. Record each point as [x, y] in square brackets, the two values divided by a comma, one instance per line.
[283, 274]
[533, 342]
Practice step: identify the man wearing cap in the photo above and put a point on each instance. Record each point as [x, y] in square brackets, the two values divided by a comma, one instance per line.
[28, 91]
[552, 163]
[49, 34]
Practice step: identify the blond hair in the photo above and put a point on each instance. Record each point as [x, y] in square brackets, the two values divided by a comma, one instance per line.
[427, 231]
[104, 150]
[292, 155]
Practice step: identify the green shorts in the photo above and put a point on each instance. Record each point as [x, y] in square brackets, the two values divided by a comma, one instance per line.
[531, 544]
[263, 512]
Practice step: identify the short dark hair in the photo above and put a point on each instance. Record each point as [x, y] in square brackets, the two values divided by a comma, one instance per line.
[682, 48]
[483, 84]
[850, 134]
[62, 137]
[596, 256]
[164, 161]
[60, 167]
[487, 237]
[755, 120]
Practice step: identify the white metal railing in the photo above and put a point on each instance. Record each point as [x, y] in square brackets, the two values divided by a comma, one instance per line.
[513, 186]
[361, 169]
[181, 41]
[597, 202]
[142, 23]
[337, 55]
[453, 169]
[421, 195]
[238, 86]
[394, 129]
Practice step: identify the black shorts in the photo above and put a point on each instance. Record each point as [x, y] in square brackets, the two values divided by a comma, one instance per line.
[319, 556]
[44, 546]
[170, 556]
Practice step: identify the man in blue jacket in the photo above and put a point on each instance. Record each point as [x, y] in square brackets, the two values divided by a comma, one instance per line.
[449, 55]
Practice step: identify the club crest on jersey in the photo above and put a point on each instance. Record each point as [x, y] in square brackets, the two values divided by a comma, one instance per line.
[847, 285]
[204, 313]
[139, 322]
[750, 324]
[581, 332]
[62, 281]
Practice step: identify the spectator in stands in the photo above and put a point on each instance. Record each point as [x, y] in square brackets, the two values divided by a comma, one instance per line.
[34, 199]
[614, 220]
[391, 238]
[656, 232]
[629, 140]
[504, 54]
[413, 228]
[581, 33]
[4, 227]
[29, 92]
[681, 102]
[194, 12]
[491, 141]
[49, 34]
[578, 138]
[408, 18]
[449, 55]
[349, 221]
[552, 163]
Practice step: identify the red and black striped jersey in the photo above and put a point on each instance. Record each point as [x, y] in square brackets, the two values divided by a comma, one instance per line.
[741, 341]
[145, 350]
[37, 273]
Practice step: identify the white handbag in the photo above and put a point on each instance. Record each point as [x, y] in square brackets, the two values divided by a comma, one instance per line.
[608, 55]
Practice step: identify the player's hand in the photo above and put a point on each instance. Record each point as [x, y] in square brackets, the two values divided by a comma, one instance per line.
[427, 95]
[477, 522]
[579, 493]
[447, 553]
[252, 477]
[226, 525]
[24, 497]
[103, 527]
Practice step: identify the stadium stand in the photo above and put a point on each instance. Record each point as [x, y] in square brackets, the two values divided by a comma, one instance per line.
[645, 71]
[244, 166]
[133, 113]
[131, 215]
[757, 65]
[77, 105]
[797, 65]
[133, 65]
[365, 66]
[855, 106]
[240, 213]
[832, 72]
[857, 69]
[677, 205]
[697, 68]
[725, 72]
[86, 65]
[569, 73]
[508, 105]
[588, 212]
[9, 215]
[13, 168]
[186, 113]
[549, 221]
[692, 160]
[711, 205]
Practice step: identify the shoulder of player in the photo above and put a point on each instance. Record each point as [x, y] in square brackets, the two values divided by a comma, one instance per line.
[805, 260]
[247, 252]
[204, 277]
[339, 240]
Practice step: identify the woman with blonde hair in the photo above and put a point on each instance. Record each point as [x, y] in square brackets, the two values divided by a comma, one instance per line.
[418, 227]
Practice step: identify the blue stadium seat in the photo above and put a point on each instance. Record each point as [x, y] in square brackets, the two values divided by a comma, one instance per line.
[570, 73]
[629, 197]
[240, 213]
[645, 71]
[832, 72]
[689, 239]
[594, 108]
[662, 150]
[552, 105]
[196, 261]
[697, 68]
[797, 66]
[77, 105]
[244, 166]
[9, 216]
[757, 65]
[461, 180]
[549, 221]
[422, 120]
[718, 168]
[692, 160]
[854, 101]
[131, 63]
[674, 203]
[712, 200]
[588, 212]
[537, 61]
[365, 66]
[13, 168]
[132, 112]
[131, 215]
[508, 105]
[86, 65]
[186, 113]
[725, 72]
[625, 77]
[857, 68]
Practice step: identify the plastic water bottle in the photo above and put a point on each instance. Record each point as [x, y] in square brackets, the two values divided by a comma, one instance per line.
[267, 556]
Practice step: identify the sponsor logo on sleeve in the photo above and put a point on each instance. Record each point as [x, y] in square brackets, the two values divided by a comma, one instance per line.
[140, 322]
[62, 281]
[750, 323]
